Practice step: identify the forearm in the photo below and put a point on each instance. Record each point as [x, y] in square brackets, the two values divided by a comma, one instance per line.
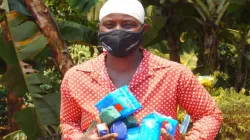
[205, 128]
[71, 132]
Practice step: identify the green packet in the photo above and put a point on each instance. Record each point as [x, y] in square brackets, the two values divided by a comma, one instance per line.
[131, 122]
[109, 115]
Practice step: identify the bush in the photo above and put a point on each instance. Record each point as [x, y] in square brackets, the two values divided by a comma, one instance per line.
[3, 111]
[235, 108]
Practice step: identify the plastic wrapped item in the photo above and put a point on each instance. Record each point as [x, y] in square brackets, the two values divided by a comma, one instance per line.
[185, 124]
[151, 127]
[120, 128]
[121, 98]
[207, 81]
[109, 115]
[102, 129]
[133, 134]
[168, 123]
[131, 122]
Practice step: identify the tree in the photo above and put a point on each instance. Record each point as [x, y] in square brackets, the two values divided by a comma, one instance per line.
[28, 36]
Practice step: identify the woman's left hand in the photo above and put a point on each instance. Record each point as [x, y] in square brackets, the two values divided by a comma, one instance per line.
[165, 135]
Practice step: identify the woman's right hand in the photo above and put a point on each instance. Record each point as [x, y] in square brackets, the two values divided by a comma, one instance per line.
[93, 135]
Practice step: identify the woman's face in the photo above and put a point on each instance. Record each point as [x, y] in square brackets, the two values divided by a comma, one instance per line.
[120, 22]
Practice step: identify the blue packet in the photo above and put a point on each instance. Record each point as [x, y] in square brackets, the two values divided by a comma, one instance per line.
[120, 128]
[185, 124]
[122, 99]
[151, 127]
[133, 134]
[168, 123]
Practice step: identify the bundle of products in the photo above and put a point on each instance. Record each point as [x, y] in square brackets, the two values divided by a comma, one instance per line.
[116, 109]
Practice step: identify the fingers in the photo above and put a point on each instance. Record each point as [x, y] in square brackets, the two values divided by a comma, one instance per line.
[98, 119]
[165, 134]
[109, 137]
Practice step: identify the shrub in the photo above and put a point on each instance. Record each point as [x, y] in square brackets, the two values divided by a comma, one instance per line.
[3, 111]
[235, 108]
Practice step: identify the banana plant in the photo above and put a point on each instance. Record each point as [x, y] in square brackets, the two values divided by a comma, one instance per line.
[27, 34]
[238, 37]
[211, 13]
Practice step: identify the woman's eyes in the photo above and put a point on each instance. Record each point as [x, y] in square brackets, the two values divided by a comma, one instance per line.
[109, 26]
[125, 26]
[128, 26]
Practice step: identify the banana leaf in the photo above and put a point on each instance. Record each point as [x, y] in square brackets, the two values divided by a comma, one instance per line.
[82, 5]
[29, 42]
[48, 108]
[28, 122]
[17, 135]
[7, 52]
[75, 32]
[156, 23]
[13, 80]
[18, 6]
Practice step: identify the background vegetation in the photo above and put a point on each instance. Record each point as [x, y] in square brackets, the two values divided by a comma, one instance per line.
[41, 39]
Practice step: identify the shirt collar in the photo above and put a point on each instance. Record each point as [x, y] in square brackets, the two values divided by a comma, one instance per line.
[149, 62]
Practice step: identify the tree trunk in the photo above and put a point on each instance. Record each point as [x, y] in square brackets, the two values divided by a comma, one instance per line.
[49, 28]
[14, 105]
[173, 47]
[211, 43]
[242, 71]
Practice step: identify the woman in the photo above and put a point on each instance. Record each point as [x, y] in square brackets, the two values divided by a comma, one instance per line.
[159, 85]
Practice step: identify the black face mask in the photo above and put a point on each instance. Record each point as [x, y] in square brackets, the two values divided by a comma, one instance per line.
[120, 43]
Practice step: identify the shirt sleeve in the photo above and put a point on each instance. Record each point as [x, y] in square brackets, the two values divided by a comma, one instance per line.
[70, 113]
[199, 104]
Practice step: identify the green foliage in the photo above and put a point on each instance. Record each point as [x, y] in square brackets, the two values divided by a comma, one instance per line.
[75, 32]
[156, 23]
[17, 135]
[82, 5]
[28, 122]
[40, 89]
[7, 50]
[18, 6]
[235, 108]
[81, 53]
[3, 111]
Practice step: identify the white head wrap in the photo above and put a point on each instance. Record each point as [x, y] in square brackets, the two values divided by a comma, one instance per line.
[129, 7]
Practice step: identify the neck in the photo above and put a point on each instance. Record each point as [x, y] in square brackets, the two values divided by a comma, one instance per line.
[124, 64]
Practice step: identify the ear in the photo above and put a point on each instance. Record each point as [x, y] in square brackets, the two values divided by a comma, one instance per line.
[145, 29]
[99, 24]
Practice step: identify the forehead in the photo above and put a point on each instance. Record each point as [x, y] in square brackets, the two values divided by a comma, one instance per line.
[116, 17]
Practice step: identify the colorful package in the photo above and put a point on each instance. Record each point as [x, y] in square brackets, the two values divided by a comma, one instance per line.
[151, 127]
[102, 129]
[133, 134]
[120, 128]
[185, 124]
[131, 122]
[109, 115]
[123, 99]
[168, 123]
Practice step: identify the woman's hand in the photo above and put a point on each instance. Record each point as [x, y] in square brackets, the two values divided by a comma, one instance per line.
[93, 135]
[165, 135]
